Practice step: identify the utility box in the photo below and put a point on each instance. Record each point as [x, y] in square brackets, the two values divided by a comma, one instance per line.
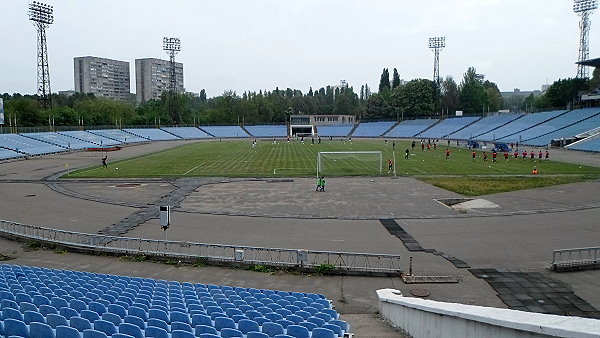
[165, 216]
[239, 255]
[302, 256]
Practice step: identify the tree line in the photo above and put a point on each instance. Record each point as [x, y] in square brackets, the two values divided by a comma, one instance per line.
[395, 99]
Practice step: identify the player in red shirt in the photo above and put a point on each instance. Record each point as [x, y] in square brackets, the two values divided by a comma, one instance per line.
[484, 156]
[532, 155]
[516, 154]
[494, 155]
[540, 156]
[547, 156]
[447, 153]
[506, 155]
[474, 155]
[524, 155]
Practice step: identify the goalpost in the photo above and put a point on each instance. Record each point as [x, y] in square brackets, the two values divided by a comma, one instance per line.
[370, 159]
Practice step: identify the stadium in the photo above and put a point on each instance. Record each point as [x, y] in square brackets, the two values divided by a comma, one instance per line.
[325, 225]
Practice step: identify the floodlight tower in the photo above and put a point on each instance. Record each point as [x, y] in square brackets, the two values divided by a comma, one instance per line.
[437, 44]
[172, 46]
[42, 16]
[584, 8]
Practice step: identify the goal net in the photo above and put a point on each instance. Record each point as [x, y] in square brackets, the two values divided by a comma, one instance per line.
[334, 163]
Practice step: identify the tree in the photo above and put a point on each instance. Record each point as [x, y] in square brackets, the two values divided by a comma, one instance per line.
[384, 81]
[203, 96]
[450, 95]
[395, 79]
[415, 98]
[565, 92]
[473, 96]
[494, 98]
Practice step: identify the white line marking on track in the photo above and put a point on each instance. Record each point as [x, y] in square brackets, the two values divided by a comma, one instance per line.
[187, 172]
[421, 171]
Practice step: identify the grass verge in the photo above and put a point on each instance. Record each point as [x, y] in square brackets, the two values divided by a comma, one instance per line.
[477, 186]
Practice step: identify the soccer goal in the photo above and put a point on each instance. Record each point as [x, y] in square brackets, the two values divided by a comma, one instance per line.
[349, 163]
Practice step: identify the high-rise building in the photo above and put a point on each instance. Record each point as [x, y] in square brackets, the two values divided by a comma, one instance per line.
[102, 77]
[152, 78]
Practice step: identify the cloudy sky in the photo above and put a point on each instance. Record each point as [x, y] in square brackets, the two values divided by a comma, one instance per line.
[260, 44]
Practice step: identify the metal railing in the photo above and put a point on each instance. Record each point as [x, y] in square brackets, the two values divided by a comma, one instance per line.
[325, 260]
[575, 258]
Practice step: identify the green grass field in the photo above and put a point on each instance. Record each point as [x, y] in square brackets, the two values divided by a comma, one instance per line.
[296, 159]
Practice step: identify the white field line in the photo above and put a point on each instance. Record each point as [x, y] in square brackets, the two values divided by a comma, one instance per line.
[275, 169]
[421, 171]
[194, 168]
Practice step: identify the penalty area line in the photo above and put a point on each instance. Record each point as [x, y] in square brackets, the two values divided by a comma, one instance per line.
[194, 168]
[421, 171]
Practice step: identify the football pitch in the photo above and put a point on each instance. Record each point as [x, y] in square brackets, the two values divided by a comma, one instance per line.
[299, 159]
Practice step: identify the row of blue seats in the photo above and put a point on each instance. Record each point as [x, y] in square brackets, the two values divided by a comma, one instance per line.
[109, 305]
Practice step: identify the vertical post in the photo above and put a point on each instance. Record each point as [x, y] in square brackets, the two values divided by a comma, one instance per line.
[410, 267]
[394, 162]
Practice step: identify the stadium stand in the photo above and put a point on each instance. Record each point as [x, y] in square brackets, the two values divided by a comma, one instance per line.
[589, 144]
[410, 128]
[559, 122]
[27, 145]
[510, 131]
[187, 133]
[568, 125]
[372, 129]
[60, 140]
[6, 154]
[484, 125]
[267, 130]
[447, 126]
[118, 135]
[225, 131]
[83, 304]
[97, 140]
[338, 130]
[152, 134]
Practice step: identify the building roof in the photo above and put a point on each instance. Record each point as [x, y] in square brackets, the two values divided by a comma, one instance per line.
[591, 62]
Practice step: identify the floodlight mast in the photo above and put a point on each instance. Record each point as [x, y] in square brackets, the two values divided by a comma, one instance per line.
[584, 8]
[437, 44]
[42, 16]
[172, 46]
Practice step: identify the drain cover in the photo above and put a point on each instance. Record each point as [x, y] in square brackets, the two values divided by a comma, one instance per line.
[420, 292]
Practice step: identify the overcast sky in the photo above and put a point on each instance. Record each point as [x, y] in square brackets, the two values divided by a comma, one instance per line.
[261, 44]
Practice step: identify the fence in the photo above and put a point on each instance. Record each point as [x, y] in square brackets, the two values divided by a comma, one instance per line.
[346, 262]
[576, 259]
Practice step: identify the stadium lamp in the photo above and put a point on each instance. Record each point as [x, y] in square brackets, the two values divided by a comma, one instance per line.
[438, 42]
[40, 12]
[171, 44]
[584, 5]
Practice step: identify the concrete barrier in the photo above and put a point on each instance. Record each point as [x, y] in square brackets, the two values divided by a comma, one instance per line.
[427, 318]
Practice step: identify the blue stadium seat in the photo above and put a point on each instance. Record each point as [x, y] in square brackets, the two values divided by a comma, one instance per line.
[139, 322]
[228, 333]
[81, 324]
[158, 323]
[67, 332]
[326, 317]
[294, 318]
[67, 312]
[208, 335]
[321, 332]
[132, 330]
[297, 331]
[181, 326]
[205, 329]
[156, 332]
[111, 317]
[121, 335]
[40, 330]
[33, 316]
[58, 302]
[336, 329]
[95, 334]
[316, 320]
[9, 312]
[310, 326]
[99, 308]
[182, 334]
[224, 322]
[285, 323]
[177, 316]
[247, 325]
[104, 326]
[89, 315]
[55, 320]
[15, 327]
[257, 335]
[118, 310]
[201, 320]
